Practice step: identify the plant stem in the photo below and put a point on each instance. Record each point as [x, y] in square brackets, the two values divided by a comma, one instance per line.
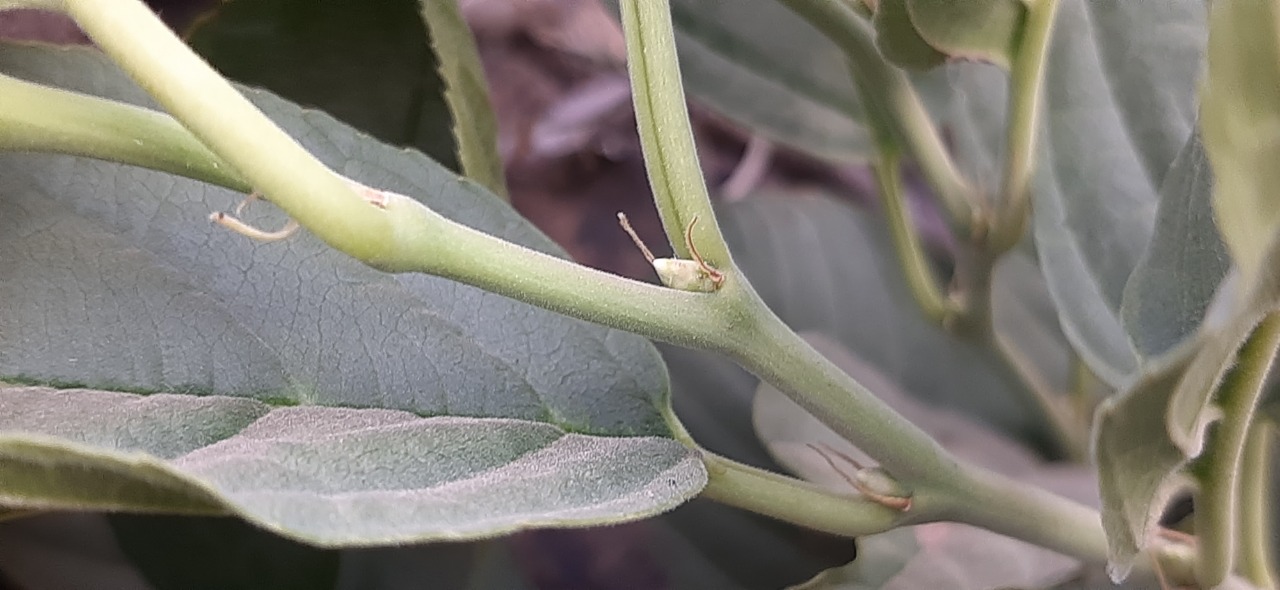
[1026, 100]
[475, 130]
[795, 501]
[889, 98]
[921, 278]
[1256, 551]
[662, 118]
[37, 118]
[231, 126]
[1219, 468]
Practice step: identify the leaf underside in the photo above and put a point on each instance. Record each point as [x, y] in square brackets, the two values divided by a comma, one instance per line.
[114, 280]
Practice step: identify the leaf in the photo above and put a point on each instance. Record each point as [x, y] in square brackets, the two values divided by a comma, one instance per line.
[114, 279]
[822, 265]
[944, 555]
[986, 30]
[898, 39]
[475, 129]
[739, 58]
[328, 476]
[1138, 465]
[1119, 105]
[1240, 117]
[370, 65]
[1170, 289]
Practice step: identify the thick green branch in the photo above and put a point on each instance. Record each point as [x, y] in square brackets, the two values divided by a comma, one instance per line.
[1219, 467]
[1026, 100]
[662, 117]
[226, 122]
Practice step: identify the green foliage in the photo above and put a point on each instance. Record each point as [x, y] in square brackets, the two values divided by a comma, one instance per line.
[285, 400]
[206, 312]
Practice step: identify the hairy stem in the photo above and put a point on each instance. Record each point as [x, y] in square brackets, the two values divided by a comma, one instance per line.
[1219, 467]
[662, 118]
[1256, 551]
[1026, 99]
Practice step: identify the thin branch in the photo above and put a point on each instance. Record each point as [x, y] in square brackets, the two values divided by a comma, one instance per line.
[1026, 100]
[1256, 551]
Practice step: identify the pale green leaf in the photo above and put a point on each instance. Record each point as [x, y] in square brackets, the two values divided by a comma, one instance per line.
[115, 279]
[1241, 125]
[1138, 465]
[987, 30]
[898, 39]
[1169, 291]
[1119, 106]
[327, 476]
[475, 129]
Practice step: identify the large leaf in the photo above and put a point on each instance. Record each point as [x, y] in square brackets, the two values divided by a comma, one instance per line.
[822, 265]
[368, 64]
[114, 279]
[1240, 116]
[1170, 289]
[1119, 106]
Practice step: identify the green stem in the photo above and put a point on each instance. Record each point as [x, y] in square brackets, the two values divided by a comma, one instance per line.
[795, 501]
[921, 278]
[662, 118]
[1026, 100]
[1256, 551]
[231, 126]
[1219, 467]
[38, 118]
[475, 129]
[890, 99]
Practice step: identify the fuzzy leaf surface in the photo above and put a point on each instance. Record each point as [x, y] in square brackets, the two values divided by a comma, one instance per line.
[115, 280]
